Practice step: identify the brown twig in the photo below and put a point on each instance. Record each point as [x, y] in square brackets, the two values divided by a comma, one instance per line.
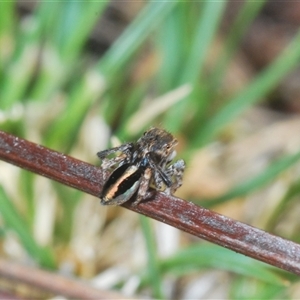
[174, 211]
[53, 283]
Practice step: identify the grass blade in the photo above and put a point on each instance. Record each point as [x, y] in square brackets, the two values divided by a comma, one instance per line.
[205, 31]
[15, 222]
[133, 37]
[247, 14]
[153, 266]
[212, 256]
[257, 182]
[253, 93]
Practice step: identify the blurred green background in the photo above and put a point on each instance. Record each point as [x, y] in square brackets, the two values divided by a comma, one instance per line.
[79, 76]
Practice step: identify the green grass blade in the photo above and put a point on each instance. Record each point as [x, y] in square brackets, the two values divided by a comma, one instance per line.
[253, 93]
[171, 48]
[153, 266]
[133, 37]
[205, 31]
[258, 181]
[26, 187]
[71, 29]
[20, 69]
[7, 17]
[79, 19]
[212, 256]
[45, 16]
[245, 17]
[292, 195]
[7, 26]
[63, 131]
[15, 222]
[249, 289]
[67, 24]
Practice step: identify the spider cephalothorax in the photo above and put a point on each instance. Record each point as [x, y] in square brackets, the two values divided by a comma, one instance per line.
[140, 164]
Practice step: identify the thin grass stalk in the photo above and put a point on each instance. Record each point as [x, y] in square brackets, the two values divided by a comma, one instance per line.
[253, 93]
[153, 266]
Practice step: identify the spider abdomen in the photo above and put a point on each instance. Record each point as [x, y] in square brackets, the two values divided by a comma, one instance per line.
[121, 185]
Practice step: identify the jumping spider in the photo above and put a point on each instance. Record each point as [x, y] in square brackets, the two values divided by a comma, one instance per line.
[140, 164]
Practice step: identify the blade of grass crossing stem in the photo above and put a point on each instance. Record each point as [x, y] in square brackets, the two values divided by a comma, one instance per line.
[133, 37]
[253, 93]
[258, 181]
[153, 266]
[245, 17]
[211, 256]
[205, 31]
[15, 222]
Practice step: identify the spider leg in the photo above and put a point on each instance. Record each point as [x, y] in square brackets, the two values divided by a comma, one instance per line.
[158, 180]
[125, 148]
[175, 171]
[144, 186]
[159, 174]
[108, 163]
